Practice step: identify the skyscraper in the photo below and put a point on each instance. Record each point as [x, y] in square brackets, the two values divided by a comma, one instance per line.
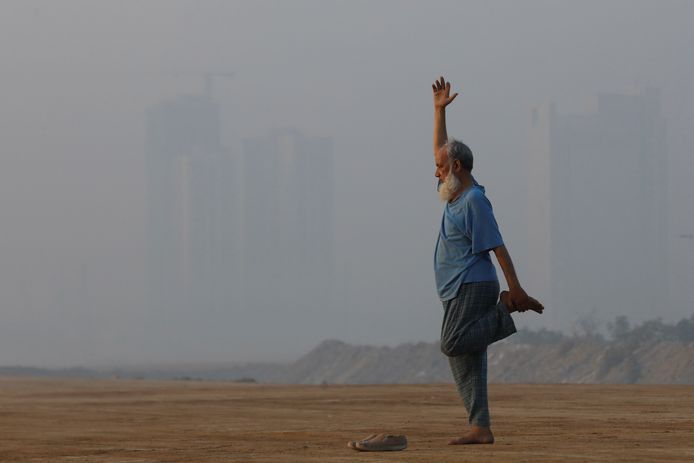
[192, 230]
[239, 247]
[598, 207]
[288, 221]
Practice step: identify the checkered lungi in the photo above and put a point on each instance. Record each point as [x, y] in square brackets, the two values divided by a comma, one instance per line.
[471, 321]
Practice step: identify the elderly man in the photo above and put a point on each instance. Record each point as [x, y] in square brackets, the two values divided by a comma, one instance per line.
[466, 282]
[466, 279]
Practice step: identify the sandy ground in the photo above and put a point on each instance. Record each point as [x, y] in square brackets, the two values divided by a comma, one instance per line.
[186, 421]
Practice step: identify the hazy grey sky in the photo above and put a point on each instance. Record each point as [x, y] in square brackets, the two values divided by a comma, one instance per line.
[78, 76]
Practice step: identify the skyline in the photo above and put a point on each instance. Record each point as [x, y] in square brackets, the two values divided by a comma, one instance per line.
[78, 79]
[597, 178]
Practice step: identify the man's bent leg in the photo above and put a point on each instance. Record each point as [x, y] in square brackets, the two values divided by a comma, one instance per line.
[474, 319]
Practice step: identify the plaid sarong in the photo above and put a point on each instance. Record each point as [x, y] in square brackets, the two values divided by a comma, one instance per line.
[471, 322]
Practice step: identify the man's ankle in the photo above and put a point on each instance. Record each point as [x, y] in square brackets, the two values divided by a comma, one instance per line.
[478, 428]
[504, 299]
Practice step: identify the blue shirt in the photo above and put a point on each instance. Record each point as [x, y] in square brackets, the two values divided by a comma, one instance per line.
[468, 231]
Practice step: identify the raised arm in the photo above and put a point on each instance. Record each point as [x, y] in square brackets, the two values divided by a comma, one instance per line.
[442, 98]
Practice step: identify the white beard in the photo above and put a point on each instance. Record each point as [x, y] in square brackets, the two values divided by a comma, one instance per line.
[449, 187]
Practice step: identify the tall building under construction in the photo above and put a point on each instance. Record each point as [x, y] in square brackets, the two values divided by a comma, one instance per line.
[192, 226]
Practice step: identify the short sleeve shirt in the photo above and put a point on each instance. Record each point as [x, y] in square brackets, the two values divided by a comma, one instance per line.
[468, 232]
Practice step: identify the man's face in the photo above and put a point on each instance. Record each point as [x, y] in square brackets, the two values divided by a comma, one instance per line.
[449, 183]
[442, 165]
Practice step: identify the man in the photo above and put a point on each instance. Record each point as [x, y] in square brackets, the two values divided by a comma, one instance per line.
[466, 282]
[465, 276]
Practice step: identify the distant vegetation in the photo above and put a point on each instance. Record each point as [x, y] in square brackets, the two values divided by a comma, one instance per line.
[618, 330]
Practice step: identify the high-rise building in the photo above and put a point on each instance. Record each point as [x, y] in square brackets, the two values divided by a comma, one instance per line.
[598, 208]
[192, 229]
[288, 221]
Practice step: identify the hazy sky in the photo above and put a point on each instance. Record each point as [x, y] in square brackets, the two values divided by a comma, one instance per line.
[78, 76]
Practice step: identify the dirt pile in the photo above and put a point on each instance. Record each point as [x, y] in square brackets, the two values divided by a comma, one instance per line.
[652, 353]
[569, 361]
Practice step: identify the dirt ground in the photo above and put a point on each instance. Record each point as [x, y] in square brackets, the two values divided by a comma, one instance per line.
[188, 421]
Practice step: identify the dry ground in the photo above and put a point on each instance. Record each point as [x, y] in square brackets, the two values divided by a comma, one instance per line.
[168, 421]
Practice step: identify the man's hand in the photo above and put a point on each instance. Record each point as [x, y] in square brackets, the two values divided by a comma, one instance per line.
[518, 305]
[442, 91]
[518, 299]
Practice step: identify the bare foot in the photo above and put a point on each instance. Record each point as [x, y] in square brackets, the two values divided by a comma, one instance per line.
[534, 305]
[477, 435]
[531, 304]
